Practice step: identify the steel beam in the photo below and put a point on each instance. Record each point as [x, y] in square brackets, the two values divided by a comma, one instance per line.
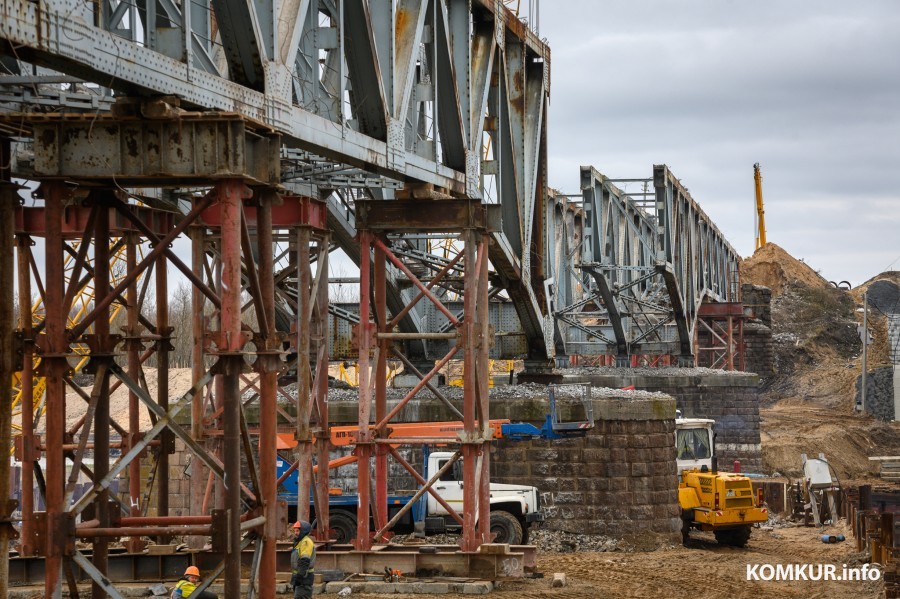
[141, 567]
[180, 150]
[54, 367]
[7, 358]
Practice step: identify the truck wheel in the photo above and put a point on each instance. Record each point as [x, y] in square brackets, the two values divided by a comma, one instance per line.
[736, 537]
[507, 527]
[344, 526]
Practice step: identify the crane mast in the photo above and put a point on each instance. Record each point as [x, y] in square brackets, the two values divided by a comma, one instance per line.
[760, 211]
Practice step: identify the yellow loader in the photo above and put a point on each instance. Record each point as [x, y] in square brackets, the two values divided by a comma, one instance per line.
[721, 502]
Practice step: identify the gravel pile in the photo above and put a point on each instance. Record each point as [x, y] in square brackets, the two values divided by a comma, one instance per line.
[547, 541]
[502, 393]
[644, 371]
[552, 541]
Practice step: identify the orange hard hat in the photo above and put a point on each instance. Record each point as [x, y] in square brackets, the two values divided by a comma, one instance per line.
[297, 524]
[192, 571]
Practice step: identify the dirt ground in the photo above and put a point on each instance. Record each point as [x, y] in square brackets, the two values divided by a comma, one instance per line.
[703, 570]
[793, 427]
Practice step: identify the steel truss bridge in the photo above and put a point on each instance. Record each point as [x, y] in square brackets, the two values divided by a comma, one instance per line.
[412, 134]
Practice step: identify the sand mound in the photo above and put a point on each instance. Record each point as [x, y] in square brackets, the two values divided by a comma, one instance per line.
[179, 384]
[772, 267]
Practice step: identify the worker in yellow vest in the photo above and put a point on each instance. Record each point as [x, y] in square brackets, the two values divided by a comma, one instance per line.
[303, 561]
[186, 586]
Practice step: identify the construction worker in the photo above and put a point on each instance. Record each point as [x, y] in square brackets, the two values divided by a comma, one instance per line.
[303, 561]
[185, 587]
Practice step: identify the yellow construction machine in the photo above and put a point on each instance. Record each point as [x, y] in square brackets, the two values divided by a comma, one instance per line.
[760, 211]
[721, 502]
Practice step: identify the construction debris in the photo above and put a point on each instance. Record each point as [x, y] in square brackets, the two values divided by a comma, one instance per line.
[889, 467]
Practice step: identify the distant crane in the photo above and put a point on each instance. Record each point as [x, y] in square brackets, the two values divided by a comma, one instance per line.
[760, 211]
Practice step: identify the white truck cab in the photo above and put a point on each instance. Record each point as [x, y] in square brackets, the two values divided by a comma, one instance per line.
[694, 443]
[514, 508]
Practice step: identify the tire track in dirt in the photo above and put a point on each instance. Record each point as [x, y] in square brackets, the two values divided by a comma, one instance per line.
[705, 570]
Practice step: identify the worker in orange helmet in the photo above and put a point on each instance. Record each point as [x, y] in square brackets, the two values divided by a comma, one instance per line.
[303, 561]
[186, 586]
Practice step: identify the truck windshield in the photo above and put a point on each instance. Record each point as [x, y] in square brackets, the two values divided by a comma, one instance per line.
[692, 443]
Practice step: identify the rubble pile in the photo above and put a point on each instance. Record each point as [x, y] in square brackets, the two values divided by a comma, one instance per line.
[564, 542]
[644, 371]
[522, 391]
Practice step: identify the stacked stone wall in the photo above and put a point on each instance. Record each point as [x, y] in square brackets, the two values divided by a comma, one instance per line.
[619, 480]
[729, 398]
[759, 353]
[759, 300]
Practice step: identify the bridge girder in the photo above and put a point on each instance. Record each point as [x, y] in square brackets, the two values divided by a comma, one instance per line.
[391, 92]
[647, 262]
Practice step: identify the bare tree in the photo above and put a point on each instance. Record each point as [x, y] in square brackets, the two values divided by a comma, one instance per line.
[180, 319]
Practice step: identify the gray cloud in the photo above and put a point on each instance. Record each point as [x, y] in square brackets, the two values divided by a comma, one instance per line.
[809, 89]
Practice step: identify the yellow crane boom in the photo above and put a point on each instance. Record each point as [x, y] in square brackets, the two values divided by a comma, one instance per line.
[760, 211]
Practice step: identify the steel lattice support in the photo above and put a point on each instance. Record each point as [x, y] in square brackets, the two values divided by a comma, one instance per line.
[93, 223]
[89, 227]
[288, 306]
[697, 262]
[376, 334]
[719, 341]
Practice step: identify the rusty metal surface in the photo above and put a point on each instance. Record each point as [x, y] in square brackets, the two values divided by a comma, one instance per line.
[427, 215]
[134, 151]
[290, 211]
[30, 220]
[124, 567]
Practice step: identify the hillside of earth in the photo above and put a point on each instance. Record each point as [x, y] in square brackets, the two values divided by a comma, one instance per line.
[808, 404]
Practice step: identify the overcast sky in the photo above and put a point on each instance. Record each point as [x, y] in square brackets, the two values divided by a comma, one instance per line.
[810, 89]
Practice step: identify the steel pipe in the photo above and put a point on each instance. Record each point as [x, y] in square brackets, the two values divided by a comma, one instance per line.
[402, 336]
[7, 279]
[143, 531]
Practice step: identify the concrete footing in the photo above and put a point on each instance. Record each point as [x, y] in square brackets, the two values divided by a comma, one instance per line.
[480, 587]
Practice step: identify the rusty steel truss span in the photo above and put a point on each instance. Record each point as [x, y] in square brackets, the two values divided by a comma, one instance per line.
[436, 96]
[640, 266]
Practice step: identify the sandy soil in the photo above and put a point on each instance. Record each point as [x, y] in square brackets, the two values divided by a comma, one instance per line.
[794, 427]
[704, 570]
[773, 267]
